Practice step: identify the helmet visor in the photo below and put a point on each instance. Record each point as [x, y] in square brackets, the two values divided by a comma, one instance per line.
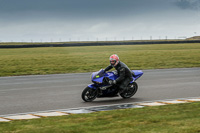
[112, 62]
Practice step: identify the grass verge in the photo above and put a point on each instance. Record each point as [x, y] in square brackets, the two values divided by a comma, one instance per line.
[51, 60]
[177, 118]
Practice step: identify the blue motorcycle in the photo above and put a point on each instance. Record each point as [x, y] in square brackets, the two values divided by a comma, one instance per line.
[102, 88]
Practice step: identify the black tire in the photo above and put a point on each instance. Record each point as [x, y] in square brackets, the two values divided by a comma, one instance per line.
[89, 94]
[132, 89]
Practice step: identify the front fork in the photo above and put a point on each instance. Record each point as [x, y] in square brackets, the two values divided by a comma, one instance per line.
[96, 87]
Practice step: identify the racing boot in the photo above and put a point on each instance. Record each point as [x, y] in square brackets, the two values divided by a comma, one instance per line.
[123, 90]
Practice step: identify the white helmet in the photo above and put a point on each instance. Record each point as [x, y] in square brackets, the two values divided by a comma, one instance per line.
[114, 59]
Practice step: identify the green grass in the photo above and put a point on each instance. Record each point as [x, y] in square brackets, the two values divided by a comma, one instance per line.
[51, 60]
[177, 118]
[180, 118]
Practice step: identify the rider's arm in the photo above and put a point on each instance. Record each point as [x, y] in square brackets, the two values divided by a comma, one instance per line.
[121, 75]
[108, 68]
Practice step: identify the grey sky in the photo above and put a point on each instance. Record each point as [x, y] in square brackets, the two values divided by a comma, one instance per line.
[65, 20]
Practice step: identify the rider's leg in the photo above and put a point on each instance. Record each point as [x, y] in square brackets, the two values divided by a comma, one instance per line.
[124, 84]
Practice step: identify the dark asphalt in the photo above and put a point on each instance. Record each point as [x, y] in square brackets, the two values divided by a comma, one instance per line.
[22, 94]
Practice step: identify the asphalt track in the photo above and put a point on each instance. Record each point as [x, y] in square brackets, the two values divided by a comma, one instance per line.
[20, 94]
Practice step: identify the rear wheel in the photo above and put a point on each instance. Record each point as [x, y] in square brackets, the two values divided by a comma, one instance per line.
[132, 89]
[89, 94]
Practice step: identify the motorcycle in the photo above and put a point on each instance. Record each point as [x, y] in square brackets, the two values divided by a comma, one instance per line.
[101, 87]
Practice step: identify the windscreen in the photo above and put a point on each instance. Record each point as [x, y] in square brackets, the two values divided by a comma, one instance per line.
[99, 74]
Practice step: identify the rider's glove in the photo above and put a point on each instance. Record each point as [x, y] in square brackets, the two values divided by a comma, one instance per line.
[112, 82]
[115, 72]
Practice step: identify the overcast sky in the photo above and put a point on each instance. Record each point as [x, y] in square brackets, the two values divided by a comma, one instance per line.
[91, 20]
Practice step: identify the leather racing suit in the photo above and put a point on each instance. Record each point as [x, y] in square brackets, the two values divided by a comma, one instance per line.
[124, 73]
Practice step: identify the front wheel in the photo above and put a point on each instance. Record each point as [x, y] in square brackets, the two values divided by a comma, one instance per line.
[132, 89]
[89, 94]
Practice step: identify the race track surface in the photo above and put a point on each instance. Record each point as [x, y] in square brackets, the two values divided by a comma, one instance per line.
[20, 94]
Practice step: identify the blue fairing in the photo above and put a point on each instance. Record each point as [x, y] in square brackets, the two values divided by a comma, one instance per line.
[97, 77]
[92, 86]
[137, 73]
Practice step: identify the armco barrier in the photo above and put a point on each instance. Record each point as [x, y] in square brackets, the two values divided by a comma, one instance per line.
[99, 43]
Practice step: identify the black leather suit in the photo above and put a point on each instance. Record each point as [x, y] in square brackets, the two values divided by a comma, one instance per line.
[124, 73]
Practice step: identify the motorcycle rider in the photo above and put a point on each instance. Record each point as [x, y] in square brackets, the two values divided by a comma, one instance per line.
[124, 73]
